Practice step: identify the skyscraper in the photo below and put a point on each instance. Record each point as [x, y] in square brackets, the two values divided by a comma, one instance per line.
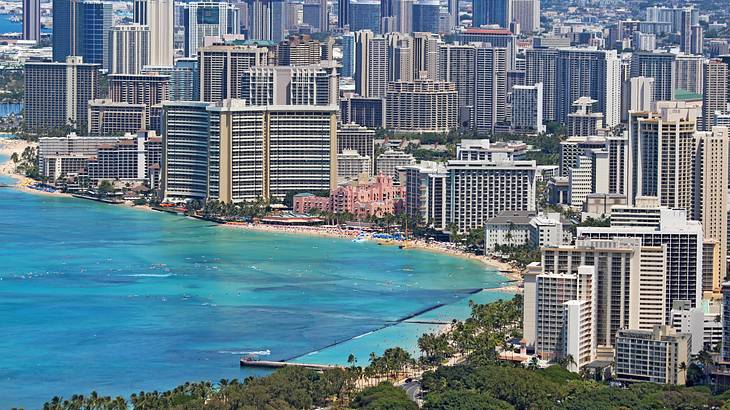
[267, 20]
[160, 15]
[714, 97]
[185, 150]
[490, 88]
[540, 67]
[589, 73]
[32, 20]
[64, 29]
[527, 14]
[426, 15]
[711, 180]
[276, 155]
[221, 68]
[207, 19]
[343, 13]
[365, 15]
[371, 63]
[57, 94]
[662, 150]
[661, 227]
[348, 55]
[488, 12]
[457, 65]
[129, 49]
[94, 20]
[660, 67]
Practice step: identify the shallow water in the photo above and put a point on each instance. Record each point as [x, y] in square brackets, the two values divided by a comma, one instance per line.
[97, 297]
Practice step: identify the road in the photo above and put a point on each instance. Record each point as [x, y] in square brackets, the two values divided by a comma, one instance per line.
[412, 388]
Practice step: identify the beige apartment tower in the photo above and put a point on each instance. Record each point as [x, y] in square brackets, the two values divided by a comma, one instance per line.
[265, 152]
[711, 181]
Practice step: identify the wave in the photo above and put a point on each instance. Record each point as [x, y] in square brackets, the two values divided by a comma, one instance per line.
[266, 352]
[362, 335]
[150, 275]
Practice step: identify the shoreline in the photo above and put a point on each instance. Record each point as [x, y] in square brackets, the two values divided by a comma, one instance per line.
[504, 269]
[8, 146]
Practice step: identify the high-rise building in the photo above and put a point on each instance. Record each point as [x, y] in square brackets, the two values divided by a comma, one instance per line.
[426, 15]
[490, 89]
[711, 181]
[479, 190]
[583, 121]
[107, 117]
[348, 55]
[129, 48]
[356, 138]
[400, 57]
[160, 17]
[527, 108]
[207, 19]
[403, 14]
[93, 22]
[184, 78]
[222, 66]
[58, 94]
[391, 160]
[299, 50]
[185, 150]
[487, 12]
[32, 20]
[661, 227]
[628, 280]
[343, 13]
[365, 111]
[64, 29]
[662, 152]
[714, 97]
[457, 64]
[149, 89]
[426, 55]
[527, 14]
[685, 31]
[282, 149]
[688, 73]
[574, 147]
[291, 85]
[371, 62]
[660, 67]
[589, 73]
[495, 37]
[641, 94]
[139, 12]
[365, 15]
[540, 67]
[652, 355]
[421, 106]
[266, 19]
[725, 344]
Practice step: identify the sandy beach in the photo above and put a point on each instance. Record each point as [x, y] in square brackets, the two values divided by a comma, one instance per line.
[9, 146]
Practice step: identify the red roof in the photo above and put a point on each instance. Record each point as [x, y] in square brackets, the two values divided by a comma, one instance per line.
[498, 31]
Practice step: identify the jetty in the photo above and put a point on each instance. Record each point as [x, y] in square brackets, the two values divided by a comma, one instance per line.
[268, 364]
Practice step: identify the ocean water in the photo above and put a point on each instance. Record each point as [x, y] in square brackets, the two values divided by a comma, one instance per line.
[7, 26]
[97, 297]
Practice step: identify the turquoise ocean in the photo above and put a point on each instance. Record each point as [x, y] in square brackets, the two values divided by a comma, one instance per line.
[98, 297]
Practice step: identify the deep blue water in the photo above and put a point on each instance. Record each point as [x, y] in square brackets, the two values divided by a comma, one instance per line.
[96, 297]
